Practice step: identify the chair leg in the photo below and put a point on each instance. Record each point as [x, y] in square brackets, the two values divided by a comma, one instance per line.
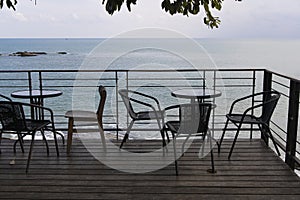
[175, 155]
[126, 136]
[263, 134]
[30, 151]
[234, 141]
[273, 140]
[222, 137]
[62, 137]
[45, 140]
[165, 129]
[102, 136]
[213, 170]
[0, 140]
[184, 142]
[55, 140]
[70, 134]
[20, 139]
[162, 133]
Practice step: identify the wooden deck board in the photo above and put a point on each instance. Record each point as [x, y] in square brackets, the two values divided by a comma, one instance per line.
[254, 172]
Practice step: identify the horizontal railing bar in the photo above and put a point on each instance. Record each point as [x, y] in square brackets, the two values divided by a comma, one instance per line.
[281, 84]
[278, 135]
[136, 70]
[163, 79]
[12, 79]
[278, 127]
[282, 76]
[233, 86]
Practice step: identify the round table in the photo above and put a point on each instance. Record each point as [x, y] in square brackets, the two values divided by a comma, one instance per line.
[196, 93]
[37, 94]
[36, 97]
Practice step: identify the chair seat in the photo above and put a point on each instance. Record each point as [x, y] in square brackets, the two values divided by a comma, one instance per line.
[249, 119]
[81, 115]
[173, 126]
[147, 115]
[36, 124]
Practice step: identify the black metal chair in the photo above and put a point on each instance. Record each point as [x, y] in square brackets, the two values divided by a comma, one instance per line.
[14, 121]
[152, 113]
[87, 116]
[193, 122]
[259, 114]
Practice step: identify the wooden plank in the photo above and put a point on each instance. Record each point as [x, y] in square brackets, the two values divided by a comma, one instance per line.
[254, 172]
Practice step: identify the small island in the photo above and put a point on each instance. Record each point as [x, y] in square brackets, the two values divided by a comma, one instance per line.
[27, 53]
[33, 53]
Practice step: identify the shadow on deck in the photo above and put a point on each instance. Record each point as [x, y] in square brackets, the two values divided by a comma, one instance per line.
[254, 172]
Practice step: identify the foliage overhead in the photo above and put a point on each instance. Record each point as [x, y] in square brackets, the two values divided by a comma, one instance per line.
[184, 7]
[9, 3]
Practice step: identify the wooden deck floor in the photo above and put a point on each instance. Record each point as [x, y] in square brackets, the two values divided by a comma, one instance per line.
[254, 172]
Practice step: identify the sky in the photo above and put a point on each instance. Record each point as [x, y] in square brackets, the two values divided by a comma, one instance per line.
[88, 19]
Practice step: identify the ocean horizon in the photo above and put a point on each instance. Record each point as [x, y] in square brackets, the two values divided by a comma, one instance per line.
[279, 55]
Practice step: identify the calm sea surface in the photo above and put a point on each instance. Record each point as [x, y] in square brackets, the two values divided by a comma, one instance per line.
[279, 55]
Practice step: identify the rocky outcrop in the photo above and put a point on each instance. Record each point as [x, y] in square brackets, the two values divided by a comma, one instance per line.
[62, 52]
[27, 53]
[33, 53]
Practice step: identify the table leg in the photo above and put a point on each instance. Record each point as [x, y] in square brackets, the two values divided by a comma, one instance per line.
[70, 134]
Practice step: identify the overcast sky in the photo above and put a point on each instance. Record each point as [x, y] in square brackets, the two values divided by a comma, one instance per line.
[88, 18]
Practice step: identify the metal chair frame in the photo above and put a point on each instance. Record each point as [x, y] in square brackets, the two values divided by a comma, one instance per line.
[267, 107]
[195, 126]
[14, 121]
[154, 113]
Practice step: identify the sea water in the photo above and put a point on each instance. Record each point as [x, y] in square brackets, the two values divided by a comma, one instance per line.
[281, 55]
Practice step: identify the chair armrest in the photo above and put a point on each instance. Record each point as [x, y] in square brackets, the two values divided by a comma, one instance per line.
[147, 96]
[242, 99]
[40, 107]
[172, 107]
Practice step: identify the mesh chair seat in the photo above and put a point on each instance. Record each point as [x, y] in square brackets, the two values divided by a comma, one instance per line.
[248, 119]
[148, 115]
[36, 124]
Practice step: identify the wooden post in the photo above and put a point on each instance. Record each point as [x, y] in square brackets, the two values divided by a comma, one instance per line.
[292, 124]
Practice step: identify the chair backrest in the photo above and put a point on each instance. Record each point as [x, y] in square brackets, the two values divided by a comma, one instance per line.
[194, 118]
[269, 103]
[124, 95]
[102, 93]
[12, 116]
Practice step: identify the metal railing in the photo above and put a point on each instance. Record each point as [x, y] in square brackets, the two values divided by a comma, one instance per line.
[232, 82]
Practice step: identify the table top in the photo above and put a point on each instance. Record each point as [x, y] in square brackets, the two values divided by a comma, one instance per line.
[25, 94]
[199, 93]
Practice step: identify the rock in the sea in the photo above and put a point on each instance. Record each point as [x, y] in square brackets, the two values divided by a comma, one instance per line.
[62, 52]
[27, 53]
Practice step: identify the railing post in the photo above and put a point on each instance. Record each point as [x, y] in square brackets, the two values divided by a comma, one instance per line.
[267, 86]
[30, 93]
[117, 102]
[292, 124]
